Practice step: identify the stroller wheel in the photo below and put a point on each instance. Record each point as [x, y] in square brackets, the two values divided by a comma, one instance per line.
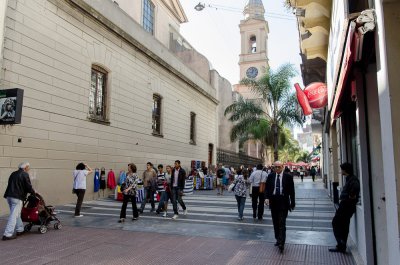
[27, 227]
[57, 226]
[42, 229]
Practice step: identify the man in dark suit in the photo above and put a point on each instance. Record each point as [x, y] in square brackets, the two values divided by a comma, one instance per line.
[280, 196]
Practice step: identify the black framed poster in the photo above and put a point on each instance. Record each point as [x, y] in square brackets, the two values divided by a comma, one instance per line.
[11, 105]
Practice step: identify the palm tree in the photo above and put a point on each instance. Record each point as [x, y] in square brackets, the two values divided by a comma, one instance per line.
[264, 118]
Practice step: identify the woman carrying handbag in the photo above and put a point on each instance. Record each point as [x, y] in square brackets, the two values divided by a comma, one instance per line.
[128, 189]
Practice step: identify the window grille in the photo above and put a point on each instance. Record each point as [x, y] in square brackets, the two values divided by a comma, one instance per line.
[192, 128]
[156, 114]
[97, 95]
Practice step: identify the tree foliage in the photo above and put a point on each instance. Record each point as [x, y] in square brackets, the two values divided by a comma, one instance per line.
[275, 106]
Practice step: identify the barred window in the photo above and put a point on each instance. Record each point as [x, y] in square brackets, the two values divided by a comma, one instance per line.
[156, 114]
[97, 95]
[192, 128]
[148, 16]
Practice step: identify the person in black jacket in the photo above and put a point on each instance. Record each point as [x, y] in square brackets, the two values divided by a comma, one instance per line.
[178, 177]
[347, 207]
[19, 185]
[280, 196]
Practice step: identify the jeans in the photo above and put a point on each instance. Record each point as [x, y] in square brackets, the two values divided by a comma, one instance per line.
[80, 193]
[163, 199]
[148, 194]
[128, 198]
[14, 220]
[241, 201]
[176, 197]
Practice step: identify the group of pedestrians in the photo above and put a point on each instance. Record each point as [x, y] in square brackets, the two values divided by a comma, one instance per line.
[169, 185]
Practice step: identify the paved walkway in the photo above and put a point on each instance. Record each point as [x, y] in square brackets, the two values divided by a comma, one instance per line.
[209, 234]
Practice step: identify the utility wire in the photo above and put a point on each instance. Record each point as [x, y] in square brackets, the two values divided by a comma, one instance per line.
[238, 10]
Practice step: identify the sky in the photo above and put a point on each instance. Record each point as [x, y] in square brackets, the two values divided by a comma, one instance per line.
[214, 32]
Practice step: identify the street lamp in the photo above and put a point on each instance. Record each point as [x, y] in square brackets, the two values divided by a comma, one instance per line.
[199, 6]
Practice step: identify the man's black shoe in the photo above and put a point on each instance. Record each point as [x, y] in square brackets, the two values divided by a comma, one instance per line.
[281, 248]
[340, 250]
[8, 238]
[276, 244]
[20, 233]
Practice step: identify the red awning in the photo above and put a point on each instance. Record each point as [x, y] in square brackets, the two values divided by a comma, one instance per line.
[350, 52]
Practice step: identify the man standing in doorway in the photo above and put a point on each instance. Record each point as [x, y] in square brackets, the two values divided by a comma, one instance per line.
[280, 196]
[178, 177]
[150, 186]
[19, 185]
[347, 207]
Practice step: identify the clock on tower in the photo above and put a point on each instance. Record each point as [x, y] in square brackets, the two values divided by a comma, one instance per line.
[252, 72]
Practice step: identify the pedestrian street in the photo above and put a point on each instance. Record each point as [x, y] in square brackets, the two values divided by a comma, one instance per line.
[209, 234]
[216, 216]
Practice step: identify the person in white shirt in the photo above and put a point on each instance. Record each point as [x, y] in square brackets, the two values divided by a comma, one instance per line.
[79, 188]
[257, 180]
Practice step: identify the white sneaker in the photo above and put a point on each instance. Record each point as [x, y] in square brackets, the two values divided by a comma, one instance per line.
[81, 215]
[185, 212]
[175, 216]
[165, 214]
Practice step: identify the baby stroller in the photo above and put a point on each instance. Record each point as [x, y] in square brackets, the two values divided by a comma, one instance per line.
[36, 212]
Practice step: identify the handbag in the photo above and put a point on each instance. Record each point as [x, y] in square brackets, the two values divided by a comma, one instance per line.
[231, 187]
[73, 190]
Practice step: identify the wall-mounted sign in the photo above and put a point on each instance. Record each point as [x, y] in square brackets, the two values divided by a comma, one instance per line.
[11, 105]
[314, 96]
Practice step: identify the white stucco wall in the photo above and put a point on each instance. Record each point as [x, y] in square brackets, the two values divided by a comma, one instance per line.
[163, 17]
[49, 51]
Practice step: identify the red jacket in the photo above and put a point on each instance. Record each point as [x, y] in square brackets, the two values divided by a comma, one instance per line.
[111, 183]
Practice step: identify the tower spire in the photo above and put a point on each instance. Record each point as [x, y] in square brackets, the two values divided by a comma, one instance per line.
[254, 9]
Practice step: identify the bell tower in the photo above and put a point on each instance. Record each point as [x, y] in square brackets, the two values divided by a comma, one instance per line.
[253, 58]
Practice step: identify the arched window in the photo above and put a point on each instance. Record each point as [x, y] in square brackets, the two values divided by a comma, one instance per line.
[253, 44]
[98, 94]
[156, 114]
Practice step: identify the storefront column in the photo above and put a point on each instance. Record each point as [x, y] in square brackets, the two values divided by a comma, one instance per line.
[386, 37]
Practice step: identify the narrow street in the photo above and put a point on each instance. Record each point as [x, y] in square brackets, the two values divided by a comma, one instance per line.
[208, 234]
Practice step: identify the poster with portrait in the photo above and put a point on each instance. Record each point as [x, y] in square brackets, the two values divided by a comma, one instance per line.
[11, 106]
